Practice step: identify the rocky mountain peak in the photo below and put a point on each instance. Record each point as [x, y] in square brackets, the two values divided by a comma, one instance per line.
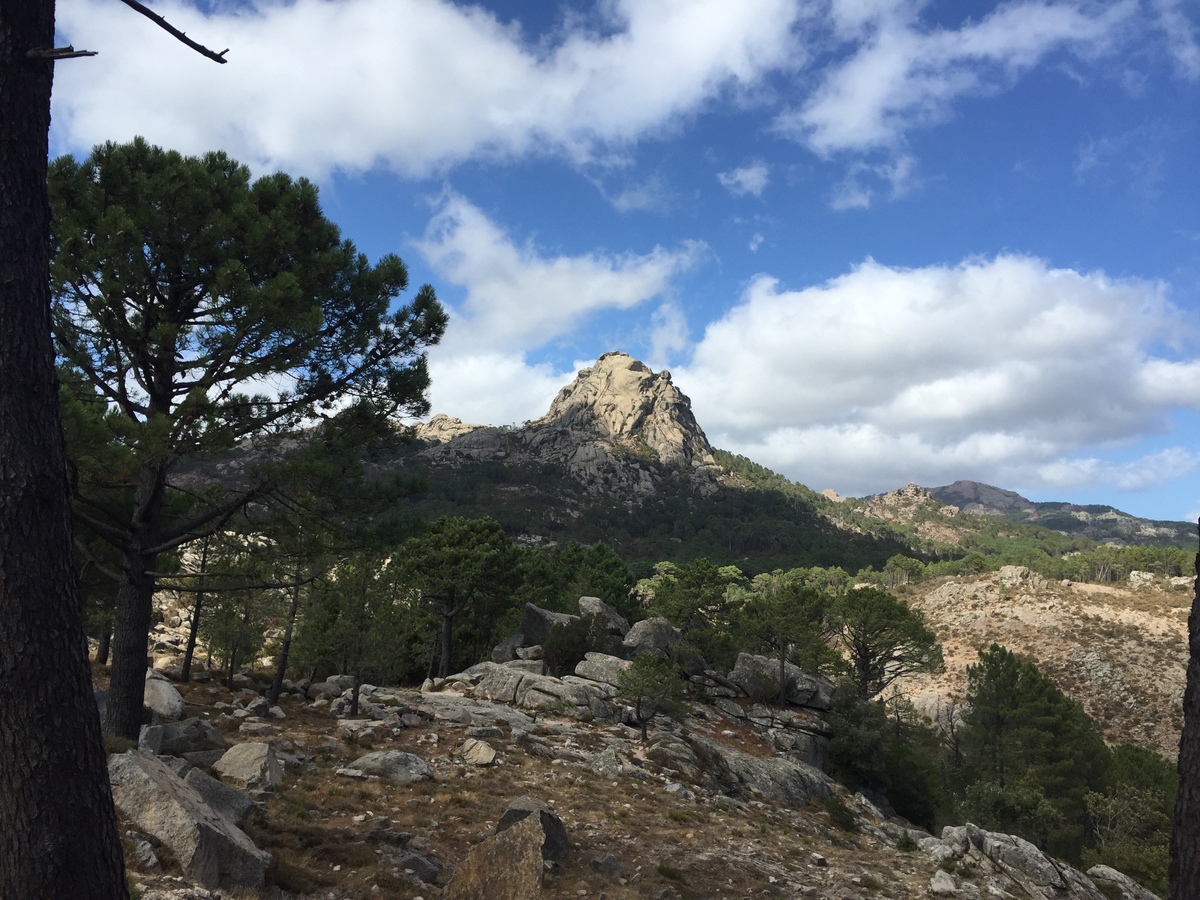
[622, 400]
[613, 429]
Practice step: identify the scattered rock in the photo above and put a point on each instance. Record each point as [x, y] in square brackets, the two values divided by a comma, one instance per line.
[537, 623]
[251, 766]
[506, 866]
[477, 753]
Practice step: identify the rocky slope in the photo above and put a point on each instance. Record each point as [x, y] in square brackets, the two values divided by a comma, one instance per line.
[1119, 650]
[411, 799]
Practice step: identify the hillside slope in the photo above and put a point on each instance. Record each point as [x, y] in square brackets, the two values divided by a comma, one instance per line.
[1119, 650]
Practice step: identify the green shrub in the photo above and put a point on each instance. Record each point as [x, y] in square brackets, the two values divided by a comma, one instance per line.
[666, 870]
[840, 814]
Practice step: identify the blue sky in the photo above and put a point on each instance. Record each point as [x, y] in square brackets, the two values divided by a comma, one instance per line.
[875, 241]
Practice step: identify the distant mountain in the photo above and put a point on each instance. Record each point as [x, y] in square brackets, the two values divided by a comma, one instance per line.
[1099, 523]
[619, 457]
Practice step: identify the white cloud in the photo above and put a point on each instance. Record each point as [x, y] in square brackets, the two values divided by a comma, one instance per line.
[856, 190]
[518, 298]
[995, 369]
[414, 85]
[668, 334]
[750, 179]
[1138, 475]
[900, 75]
[1182, 36]
[755, 242]
[491, 388]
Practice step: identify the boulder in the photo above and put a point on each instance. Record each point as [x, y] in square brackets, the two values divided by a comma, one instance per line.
[555, 845]
[323, 690]
[162, 698]
[506, 866]
[537, 623]
[231, 804]
[209, 849]
[532, 666]
[602, 667]
[594, 606]
[251, 766]
[758, 676]
[655, 635]
[395, 765]
[1141, 579]
[506, 650]
[190, 736]
[942, 884]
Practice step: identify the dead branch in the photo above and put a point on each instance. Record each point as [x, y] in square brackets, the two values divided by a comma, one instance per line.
[175, 32]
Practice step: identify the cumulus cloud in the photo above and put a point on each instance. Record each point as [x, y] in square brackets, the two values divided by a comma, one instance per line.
[517, 297]
[900, 74]
[995, 369]
[491, 388]
[413, 85]
[749, 180]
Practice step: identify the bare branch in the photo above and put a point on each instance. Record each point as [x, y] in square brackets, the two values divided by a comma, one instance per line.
[175, 32]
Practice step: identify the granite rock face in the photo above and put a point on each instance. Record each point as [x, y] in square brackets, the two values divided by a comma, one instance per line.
[615, 429]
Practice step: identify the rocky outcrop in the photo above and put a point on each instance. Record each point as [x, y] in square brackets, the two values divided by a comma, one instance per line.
[616, 430]
[1005, 864]
[209, 848]
[758, 677]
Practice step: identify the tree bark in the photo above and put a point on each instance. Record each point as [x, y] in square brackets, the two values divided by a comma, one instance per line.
[58, 836]
[1185, 835]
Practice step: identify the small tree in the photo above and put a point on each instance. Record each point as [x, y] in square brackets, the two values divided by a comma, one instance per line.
[884, 639]
[654, 687]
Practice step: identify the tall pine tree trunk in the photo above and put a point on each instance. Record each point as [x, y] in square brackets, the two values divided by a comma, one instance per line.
[1185, 835]
[286, 648]
[135, 599]
[185, 673]
[58, 836]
